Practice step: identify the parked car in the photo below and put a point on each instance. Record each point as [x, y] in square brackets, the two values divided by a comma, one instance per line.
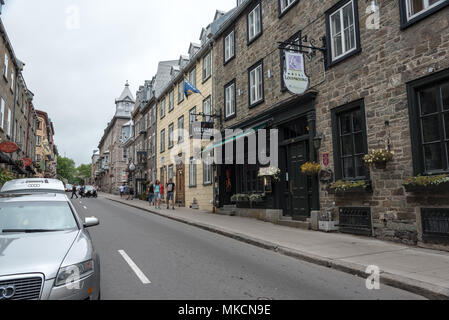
[33, 185]
[46, 251]
[90, 192]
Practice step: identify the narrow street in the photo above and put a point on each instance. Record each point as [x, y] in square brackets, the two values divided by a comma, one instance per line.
[144, 256]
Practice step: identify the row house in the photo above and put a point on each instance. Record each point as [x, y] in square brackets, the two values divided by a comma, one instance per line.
[18, 118]
[378, 79]
[180, 153]
[111, 166]
[46, 154]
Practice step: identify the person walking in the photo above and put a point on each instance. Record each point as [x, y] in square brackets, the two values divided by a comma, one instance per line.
[74, 192]
[126, 191]
[157, 194]
[122, 190]
[170, 194]
[131, 193]
[151, 192]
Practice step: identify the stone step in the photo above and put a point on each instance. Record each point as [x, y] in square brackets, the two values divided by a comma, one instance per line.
[294, 224]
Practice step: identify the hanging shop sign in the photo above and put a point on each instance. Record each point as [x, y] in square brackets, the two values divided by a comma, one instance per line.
[8, 147]
[295, 79]
[202, 129]
[326, 160]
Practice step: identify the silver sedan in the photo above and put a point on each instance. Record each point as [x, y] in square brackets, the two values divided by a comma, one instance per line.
[46, 252]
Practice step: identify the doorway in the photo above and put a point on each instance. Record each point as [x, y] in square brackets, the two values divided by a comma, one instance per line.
[180, 185]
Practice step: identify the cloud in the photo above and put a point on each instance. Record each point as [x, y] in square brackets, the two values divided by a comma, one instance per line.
[79, 54]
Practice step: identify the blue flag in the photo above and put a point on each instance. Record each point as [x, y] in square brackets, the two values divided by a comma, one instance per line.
[189, 89]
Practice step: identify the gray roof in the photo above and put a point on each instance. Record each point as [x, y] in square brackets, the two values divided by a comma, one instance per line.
[126, 95]
[163, 75]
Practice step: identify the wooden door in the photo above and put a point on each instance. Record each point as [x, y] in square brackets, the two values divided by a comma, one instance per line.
[180, 186]
[298, 182]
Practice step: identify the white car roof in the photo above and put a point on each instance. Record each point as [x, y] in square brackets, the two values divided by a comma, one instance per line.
[44, 197]
[33, 185]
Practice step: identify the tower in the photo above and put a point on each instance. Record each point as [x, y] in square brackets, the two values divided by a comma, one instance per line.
[125, 103]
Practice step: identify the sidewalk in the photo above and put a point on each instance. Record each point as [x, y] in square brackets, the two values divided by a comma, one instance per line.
[421, 271]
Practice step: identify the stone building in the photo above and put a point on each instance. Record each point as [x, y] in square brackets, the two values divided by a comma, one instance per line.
[111, 166]
[18, 119]
[378, 79]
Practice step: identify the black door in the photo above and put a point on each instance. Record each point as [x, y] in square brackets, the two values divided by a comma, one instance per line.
[298, 184]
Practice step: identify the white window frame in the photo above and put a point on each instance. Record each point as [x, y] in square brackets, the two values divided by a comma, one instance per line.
[2, 113]
[207, 170]
[256, 89]
[285, 4]
[207, 109]
[342, 31]
[5, 66]
[192, 173]
[207, 66]
[162, 140]
[163, 105]
[427, 7]
[181, 129]
[254, 22]
[230, 100]
[229, 46]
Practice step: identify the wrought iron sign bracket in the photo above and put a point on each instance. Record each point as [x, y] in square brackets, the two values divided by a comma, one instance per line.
[310, 50]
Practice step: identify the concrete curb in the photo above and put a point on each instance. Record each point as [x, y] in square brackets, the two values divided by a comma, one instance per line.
[424, 289]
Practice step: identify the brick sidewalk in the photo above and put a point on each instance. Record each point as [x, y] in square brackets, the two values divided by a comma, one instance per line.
[421, 271]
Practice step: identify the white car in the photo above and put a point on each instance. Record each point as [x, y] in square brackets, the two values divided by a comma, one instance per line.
[34, 185]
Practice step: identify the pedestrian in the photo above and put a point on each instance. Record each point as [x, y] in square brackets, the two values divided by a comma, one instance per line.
[170, 194]
[131, 193]
[126, 191]
[157, 194]
[151, 193]
[74, 192]
[82, 189]
[122, 190]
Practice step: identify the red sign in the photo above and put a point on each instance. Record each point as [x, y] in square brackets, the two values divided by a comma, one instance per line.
[27, 162]
[326, 160]
[8, 147]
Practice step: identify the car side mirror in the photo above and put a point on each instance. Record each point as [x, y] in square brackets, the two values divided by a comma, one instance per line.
[91, 222]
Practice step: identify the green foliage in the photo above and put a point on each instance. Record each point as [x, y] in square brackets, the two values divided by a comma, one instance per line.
[5, 176]
[347, 185]
[425, 181]
[66, 169]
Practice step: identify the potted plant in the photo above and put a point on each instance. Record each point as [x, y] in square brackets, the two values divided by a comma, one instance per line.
[438, 183]
[351, 186]
[255, 200]
[5, 176]
[379, 158]
[326, 223]
[271, 172]
[311, 168]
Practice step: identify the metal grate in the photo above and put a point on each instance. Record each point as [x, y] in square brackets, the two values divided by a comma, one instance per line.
[435, 225]
[24, 288]
[355, 221]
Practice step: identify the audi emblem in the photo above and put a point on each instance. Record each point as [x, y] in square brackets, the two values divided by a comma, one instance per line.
[34, 185]
[7, 292]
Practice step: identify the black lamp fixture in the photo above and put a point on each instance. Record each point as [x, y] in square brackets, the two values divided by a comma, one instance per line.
[317, 141]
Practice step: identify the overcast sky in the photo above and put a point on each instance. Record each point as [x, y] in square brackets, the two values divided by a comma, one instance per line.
[79, 54]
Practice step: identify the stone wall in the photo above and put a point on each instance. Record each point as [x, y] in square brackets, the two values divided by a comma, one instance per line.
[389, 58]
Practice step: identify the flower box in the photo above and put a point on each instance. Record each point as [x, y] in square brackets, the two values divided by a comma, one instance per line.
[440, 188]
[358, 188]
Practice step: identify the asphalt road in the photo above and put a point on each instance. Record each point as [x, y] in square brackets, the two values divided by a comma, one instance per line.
[148, 257]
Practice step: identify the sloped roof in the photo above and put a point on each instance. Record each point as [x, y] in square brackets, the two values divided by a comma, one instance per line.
[163, 75]
[126, 95]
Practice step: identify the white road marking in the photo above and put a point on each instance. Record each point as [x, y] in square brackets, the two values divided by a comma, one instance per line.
[135, 268]
[85, 208]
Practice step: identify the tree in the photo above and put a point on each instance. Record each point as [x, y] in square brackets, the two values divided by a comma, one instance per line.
[84, 172]
[66, 169]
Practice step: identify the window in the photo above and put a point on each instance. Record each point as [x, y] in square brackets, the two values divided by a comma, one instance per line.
[192, 173]
[207, 110]
[170, 172]
[254, 21]
[192, 119]
[256, 91]
[10, 123]
[343, 31]
[207, 168]
[230, 100]
[38, 158]
[171, 101]
[180, 91]
[192, 77]
[38, 141]
[181, 129]
[206, 67]
[416, 10]
[5, 66]
[350, 142]
[229, 46]
[125, 154]
[429, 117]
[170, 136]
[163, 140]
[12, 81]
[284, 5]
[2, 113]
[163, 108]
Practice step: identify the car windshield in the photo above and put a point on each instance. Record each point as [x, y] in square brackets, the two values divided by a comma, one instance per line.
[36, 217]
[89, 188]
